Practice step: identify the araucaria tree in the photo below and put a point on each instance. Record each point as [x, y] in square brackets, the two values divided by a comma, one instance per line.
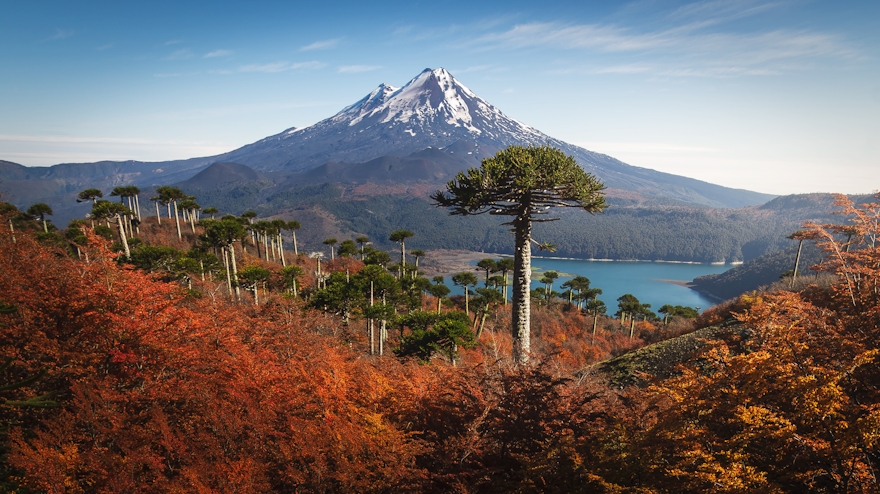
[522, 182]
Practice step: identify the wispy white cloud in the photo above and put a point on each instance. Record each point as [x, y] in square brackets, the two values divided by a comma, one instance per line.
[173, 42]
[281, 66]
[354, 69]
[42, 150]
[182, 54]
[189, 114]
[692, 49]
[623, 69]
[71, 139]
[644, 147]
[174, 74]
[716, 11]
[61, 34]
[321, 45]
[105, 47]
[473, 68]
[218, 53]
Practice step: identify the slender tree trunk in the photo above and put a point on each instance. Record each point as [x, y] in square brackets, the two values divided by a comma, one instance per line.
[12, 229]
[797, 260]
[632, 327]
[281, 250]
[158, 216]
[177, 220]
[522, 280]
[383, 327]
[318, 272]
[234, 272]
[122, 236]
[228, 270]
[466, 299]
[482, 323]
[439, 301]
[595, 321]
[372, 331]
[295, 251]
[402, 258]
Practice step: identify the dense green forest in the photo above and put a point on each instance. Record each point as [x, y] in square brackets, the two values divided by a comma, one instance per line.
[623, 231]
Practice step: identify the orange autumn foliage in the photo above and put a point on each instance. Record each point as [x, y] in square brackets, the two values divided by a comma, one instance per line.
[163, 391]
[191, 394]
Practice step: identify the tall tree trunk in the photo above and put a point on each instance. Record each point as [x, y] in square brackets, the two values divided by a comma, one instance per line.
[595, 321]
[402, 258]
[234, 272]
[372, 331]
[177, 220]
[228, 270]
[12, 229]
[797, 260]
[482, 323]
[137, 206]
[281, 250]
[522, 280]
[122, 236]
[295, 251]
[158, 216]
[383, 330]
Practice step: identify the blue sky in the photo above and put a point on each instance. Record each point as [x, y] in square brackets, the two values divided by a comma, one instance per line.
[773, 96]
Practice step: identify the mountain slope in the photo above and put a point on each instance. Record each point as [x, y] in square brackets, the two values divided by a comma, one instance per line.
[432, 111]
[435, 110]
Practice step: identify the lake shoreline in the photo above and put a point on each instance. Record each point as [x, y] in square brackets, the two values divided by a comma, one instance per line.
[653, 282]
[446, 262]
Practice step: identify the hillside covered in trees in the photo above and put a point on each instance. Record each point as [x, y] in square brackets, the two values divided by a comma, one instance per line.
[198, 355]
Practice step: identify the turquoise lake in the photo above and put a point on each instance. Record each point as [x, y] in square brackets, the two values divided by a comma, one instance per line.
[644, 279]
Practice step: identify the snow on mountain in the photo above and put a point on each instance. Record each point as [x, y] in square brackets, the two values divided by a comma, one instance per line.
[431, 110]
[434, 110]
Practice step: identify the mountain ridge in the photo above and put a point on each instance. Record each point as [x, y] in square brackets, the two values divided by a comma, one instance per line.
[431, 111]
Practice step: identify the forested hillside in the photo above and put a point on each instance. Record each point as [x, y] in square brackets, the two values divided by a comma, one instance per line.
[759, 272]
[147, 358]
[644, 233]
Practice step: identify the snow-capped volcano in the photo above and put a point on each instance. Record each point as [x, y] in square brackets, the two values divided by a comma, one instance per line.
[435, 112]
[431, 110]
[431, 101]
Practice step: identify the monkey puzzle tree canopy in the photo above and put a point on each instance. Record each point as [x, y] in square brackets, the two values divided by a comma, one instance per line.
[523, 182]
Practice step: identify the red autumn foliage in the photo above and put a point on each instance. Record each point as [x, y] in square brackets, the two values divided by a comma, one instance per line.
[163, 391]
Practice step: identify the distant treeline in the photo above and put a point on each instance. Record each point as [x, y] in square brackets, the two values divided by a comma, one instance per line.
[645, 233]
[759, 272]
